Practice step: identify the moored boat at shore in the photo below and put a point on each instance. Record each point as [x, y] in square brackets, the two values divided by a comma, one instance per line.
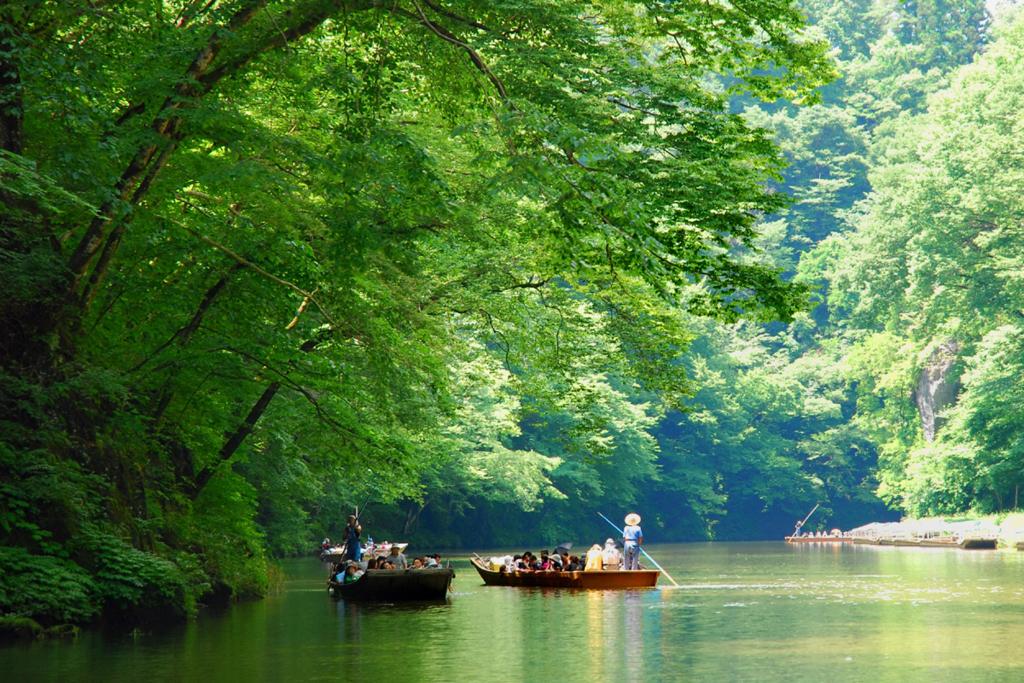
[943, 542]
[395, 585]
[596, 580]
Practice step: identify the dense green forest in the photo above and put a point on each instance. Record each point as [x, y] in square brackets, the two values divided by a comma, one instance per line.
[484, 268]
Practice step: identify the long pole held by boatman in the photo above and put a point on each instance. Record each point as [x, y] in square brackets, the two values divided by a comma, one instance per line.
[809, 514]
[646, 554]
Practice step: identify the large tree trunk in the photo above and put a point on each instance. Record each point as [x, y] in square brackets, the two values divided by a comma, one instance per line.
[245, 428]
[150, 158]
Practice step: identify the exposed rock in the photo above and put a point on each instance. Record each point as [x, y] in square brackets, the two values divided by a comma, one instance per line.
[936, 388]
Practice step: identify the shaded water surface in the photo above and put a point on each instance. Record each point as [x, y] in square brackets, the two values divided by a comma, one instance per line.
[744, 612]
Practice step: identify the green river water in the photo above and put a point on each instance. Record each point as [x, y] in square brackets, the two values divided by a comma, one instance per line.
[744, 612]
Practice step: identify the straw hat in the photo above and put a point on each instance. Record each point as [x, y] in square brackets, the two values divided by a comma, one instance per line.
[632, 518]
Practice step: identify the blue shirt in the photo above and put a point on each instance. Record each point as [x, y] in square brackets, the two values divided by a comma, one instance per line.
[632, 533]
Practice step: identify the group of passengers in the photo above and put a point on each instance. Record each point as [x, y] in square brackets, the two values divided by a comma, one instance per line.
[834, 533]
[596, 559]
[350, 570]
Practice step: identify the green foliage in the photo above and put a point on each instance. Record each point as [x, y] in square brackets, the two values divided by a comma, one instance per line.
[266, 260]
[44, 588]
[933, 259]
[132, 586]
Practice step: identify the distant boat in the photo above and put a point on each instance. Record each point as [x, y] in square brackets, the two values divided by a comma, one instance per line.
[395, 585]
[818, 539]
[600, 580]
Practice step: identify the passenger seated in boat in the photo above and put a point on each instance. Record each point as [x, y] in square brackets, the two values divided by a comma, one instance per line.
[437, 559]
[397, 558]
[566, 559]
[545, 561]
[557, 563]
[593, 559]
[552, 562]
[386, 564]
[611, 559]
[352, 574]
[417, 563]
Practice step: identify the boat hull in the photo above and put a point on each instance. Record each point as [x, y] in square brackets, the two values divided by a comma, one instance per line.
[395, 585]
[592, 580]
[818, 539]
[978, 543]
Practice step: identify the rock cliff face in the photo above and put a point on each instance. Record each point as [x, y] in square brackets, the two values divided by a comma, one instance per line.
[936, 388]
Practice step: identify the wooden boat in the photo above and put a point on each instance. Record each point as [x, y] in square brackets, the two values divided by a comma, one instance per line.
[935, 542]
[1020, 545]
[907, 542]
[818, 539]
[394, 585]
[599, 580]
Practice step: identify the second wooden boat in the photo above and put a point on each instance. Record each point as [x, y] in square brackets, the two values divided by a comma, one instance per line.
[599, 580]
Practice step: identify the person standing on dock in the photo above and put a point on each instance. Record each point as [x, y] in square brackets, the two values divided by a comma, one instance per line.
[632, 539]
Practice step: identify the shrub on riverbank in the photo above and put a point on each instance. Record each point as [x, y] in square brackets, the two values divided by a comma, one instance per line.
[43, 589]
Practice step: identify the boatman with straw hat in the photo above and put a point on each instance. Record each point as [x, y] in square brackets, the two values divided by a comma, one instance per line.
[632, 539]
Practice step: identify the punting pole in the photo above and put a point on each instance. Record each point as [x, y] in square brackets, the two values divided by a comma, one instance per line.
[646, 554]
[809, 514]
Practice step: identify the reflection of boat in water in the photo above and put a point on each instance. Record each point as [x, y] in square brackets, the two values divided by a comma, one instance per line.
[818, 539]
[610, 579]
[393, 585]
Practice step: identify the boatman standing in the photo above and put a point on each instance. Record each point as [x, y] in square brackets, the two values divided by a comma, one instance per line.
[632, 539]
[353, 551]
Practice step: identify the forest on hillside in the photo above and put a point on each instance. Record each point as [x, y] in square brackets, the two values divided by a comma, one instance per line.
[485, 268]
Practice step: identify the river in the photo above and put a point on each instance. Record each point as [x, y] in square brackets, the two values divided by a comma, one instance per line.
[744, 612]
